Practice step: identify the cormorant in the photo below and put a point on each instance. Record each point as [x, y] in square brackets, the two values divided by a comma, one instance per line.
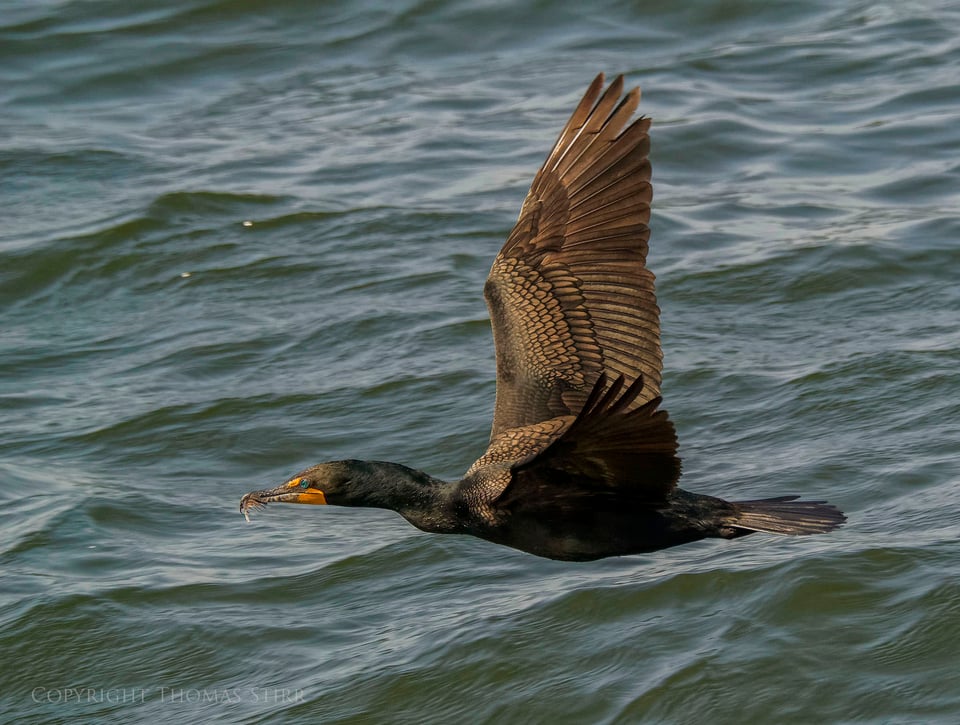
[582, 461]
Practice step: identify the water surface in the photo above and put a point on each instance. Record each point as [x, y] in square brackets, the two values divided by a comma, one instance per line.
[244, 237]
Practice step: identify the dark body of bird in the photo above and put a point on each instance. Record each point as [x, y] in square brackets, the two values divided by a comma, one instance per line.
[582, 463]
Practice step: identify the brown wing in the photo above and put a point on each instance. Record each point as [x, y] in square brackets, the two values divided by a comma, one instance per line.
[569, 294]
[612, 450]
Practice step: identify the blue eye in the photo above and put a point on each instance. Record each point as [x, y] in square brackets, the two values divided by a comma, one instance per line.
[304, 483]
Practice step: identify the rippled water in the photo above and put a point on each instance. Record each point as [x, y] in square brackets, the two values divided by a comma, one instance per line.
[159, 357]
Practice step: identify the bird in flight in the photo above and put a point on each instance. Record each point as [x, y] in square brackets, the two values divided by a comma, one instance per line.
[582, 460]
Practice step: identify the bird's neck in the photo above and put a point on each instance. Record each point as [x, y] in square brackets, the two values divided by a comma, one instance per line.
[422, 500]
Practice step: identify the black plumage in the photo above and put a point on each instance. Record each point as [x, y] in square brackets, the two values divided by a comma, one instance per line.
[582, 462]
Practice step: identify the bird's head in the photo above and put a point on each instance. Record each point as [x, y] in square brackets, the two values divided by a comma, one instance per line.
[326, 483]
[412, 493]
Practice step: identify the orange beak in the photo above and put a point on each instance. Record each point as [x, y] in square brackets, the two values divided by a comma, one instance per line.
[296, 490]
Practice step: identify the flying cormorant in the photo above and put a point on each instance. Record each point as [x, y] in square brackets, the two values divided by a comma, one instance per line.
[582, 461]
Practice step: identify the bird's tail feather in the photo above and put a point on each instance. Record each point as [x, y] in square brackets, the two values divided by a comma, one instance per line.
[787, 515]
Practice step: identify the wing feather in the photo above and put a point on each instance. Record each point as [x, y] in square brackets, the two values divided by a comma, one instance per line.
[612, 447]
[569, 294]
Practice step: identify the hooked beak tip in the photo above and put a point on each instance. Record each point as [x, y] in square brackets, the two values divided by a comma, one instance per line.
[250, 501]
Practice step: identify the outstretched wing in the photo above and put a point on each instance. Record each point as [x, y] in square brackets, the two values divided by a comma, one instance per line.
[569, 294]
[612, 450]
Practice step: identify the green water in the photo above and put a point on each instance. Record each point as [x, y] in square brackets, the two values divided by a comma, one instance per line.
[159, 358]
